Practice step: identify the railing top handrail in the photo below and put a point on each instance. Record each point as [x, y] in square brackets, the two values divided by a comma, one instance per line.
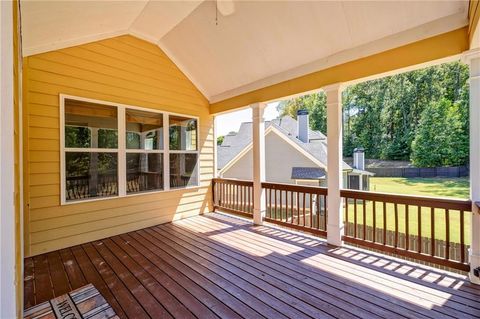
[413, 200]
[296, 188]
[233, 181]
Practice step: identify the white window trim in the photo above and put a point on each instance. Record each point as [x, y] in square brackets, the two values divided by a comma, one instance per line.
[122, 150]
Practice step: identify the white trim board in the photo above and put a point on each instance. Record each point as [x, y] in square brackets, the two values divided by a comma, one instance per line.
[8, 291]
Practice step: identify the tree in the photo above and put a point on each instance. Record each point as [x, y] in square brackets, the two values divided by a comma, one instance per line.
[315, 103]
[220, 140]
[384, 115]
[440, 140]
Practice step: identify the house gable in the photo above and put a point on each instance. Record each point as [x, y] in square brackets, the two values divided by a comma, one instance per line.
[281, 155]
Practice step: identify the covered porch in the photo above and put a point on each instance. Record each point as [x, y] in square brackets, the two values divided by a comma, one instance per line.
[216, 265]
[108, 148]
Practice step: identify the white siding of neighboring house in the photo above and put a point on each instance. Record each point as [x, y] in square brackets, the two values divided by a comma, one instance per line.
[280, 157]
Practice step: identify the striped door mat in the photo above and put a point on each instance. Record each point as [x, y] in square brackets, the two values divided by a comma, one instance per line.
[85, 302]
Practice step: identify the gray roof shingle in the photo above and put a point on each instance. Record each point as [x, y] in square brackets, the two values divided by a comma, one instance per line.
[308, 173]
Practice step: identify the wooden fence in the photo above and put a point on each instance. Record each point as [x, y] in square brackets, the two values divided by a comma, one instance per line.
[458, 171]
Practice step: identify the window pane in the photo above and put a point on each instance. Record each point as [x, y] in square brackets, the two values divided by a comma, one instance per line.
[77, 136]
[144, 172]
[90, 175]
[183, 133]
[183, 170]
[144, 130]
[90, 125]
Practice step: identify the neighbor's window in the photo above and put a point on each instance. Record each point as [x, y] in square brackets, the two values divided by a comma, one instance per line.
[100, 162]
[91, 150]
[183, 151]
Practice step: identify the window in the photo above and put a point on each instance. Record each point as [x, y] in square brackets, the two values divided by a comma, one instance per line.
[144, 142]
[91, 150]
[183, 151]
[115, 150]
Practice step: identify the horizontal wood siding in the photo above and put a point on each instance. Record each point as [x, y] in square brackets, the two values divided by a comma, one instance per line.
[124, 70]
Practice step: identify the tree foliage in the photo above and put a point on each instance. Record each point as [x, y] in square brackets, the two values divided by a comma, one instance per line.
[315, 104]
[386, 116]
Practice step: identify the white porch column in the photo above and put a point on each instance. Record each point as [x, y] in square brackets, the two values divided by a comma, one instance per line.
[473, 58]
[8, 287]
[258, 162]
[334, 164]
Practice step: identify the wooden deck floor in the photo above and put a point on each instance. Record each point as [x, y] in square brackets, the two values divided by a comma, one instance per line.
[219, 266]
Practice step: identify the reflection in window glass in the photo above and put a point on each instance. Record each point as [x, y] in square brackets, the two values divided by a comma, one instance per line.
[107, 138]
[90, 175]
[144, 172]
[144, 130]
[183, 133]
[90, 125]
[77, 136]
[183, 170]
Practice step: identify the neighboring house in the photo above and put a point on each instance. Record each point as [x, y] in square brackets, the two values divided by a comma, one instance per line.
[293, 152]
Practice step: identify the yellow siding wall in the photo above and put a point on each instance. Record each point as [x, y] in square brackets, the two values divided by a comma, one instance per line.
[124, 70]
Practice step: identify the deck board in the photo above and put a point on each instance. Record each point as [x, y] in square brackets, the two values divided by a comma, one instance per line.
[218, 266]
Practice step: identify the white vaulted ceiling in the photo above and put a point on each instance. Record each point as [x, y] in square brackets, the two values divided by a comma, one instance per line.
[260, 43]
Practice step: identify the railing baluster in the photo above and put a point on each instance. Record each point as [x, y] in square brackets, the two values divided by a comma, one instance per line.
[311, 210]
[281, 205]
[364, 219]
[318, 210]
[432, 230]
[462, 236]
[292, 207]
[347, 224]
[396, 226]
[384, 223]
[407, 234]
[419, 212]
[267, 200]
[275, 199]
[325, 212]
[270, 203]
[447, 234]
[303, 205]
[355, 217]
[298, 208]
[374, 220]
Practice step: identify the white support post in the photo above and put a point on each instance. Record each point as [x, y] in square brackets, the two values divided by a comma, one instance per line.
[473, 58]
[8, 266]
[334, 164]
[258, 162]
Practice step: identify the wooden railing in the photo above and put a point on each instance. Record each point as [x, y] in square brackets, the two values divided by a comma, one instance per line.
[233, 196]
[295, 206]
[429, 229]
[423, 228]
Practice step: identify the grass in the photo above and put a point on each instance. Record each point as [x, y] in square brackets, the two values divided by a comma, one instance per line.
[437, 187]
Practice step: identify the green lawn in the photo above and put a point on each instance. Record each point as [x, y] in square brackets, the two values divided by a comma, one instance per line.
[439, 187]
